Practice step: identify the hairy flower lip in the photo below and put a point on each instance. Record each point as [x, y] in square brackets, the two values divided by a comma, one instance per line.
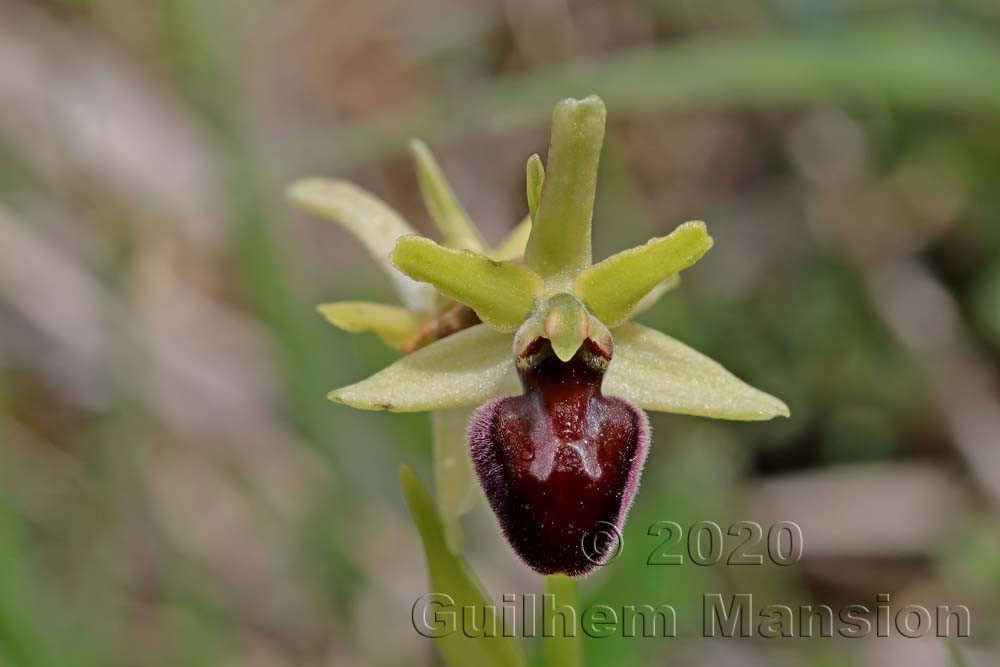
[560, 461]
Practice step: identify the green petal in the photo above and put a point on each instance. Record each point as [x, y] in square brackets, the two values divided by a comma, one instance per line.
[535, 171]
[455, 483]
[513, 246]
[466, 368]
[660, 373]
[371, 220]
[612, 288]
[393, 324]
[501, 293]
[450, 575]
[444, 207]
[559, 246]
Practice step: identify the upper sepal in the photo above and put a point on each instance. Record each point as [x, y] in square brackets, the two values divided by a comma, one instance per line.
[559, 246]
[443, 205]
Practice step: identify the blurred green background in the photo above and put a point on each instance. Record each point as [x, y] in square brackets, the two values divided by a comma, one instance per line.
[176, 490]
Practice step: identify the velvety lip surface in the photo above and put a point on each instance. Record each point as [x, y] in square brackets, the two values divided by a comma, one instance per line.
[560, 462]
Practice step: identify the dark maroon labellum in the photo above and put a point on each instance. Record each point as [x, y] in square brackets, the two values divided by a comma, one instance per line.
[560, 464]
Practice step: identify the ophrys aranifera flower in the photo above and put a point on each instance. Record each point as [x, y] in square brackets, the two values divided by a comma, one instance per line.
[565, 453]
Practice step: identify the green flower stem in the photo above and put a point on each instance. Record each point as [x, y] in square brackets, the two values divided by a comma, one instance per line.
[535, 179]
[559, 246]
[562, 650]
[455, 485]
[450, 575]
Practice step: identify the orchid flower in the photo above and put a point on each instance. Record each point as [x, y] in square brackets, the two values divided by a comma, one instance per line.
[561, 451]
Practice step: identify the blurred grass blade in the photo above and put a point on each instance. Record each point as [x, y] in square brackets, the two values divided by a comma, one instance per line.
[455, 484]
[612, 288]
[513, 246]
[920, 65]
[370, 220]
[443, 205]
[393, 324]
[450, 575]
[559, 244]
[22, 640]
[660, 373]
[501, 293]
[465, 369]
[535, 173]
[955, 654]
[562, 650]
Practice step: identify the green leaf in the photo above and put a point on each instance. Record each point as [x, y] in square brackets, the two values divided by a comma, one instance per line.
[513, 246]
[393, 324]
[444, 207]
[954, 653]
[613, 288]
[562, 650]
[501, 293]
[450, 575]
[535, 178]
[660, 373]
[911, 65]
[455, 482]
[559, 245]
[466, 368]
[371, 220]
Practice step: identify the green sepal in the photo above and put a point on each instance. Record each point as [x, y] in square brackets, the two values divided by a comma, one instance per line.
[443, 205]
[501, 293]
[467, 368]
[612, 288]
[371, 221]
[512, 247]
[559, 246]
[393, 324]
[659, 373]
[451, 575]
